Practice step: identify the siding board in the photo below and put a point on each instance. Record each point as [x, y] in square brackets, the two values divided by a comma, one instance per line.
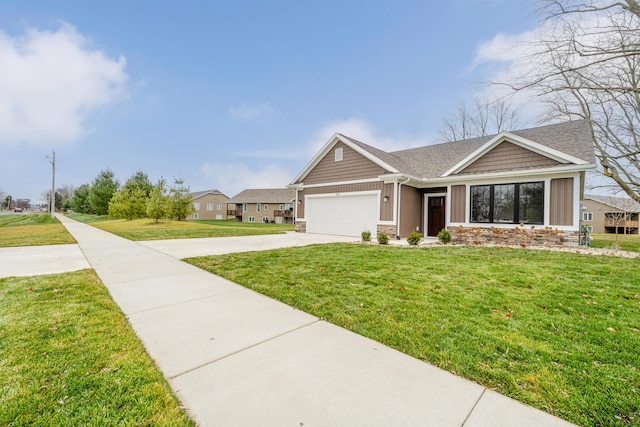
[561, 203]
[458, 203]
[411, 203]
[353, 166]
[507, 156]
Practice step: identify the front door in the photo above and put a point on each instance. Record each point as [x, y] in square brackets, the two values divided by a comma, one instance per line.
[435, 215]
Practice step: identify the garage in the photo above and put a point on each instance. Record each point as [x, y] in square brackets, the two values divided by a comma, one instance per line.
[346, 214]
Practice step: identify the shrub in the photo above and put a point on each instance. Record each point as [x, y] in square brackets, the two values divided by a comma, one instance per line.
[383, 239]
[444, 236]
[366, 236]
[414, 238]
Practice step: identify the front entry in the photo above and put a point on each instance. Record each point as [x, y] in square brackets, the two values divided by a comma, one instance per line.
[435, 215]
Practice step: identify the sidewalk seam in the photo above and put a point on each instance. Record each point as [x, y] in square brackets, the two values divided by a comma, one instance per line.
[473, 408]
[244, 349]
[183, 302]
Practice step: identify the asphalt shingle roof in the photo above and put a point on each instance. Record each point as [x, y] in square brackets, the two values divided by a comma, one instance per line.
[197, 194]
[431, 161]
[620, 203]
[264, 195]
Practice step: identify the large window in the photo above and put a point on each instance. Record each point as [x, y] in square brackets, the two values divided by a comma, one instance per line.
[508, 203]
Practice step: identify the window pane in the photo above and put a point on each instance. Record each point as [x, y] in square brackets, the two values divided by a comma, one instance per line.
[531, 203]
[504, 203]
[480, 203]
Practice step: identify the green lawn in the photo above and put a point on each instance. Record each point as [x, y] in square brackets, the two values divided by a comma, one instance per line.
[147, 229]
[558, 331]
[626, 242]
[69, 358]
[32, 230]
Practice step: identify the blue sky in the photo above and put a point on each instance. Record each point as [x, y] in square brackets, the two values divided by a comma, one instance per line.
[229, 95]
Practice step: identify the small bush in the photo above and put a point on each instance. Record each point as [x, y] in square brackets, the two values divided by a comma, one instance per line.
[383, 239]
[444, 236]
[414, 238]
[366, 236]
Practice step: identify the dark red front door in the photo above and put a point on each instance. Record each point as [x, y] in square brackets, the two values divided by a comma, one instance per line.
[435, 215]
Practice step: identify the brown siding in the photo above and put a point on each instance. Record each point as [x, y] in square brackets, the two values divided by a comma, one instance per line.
[458, 203]
[598, 210]
[352, 166]
[386, 208]
[215, 199]
[507, 156]
[561, 204]
[410, 209]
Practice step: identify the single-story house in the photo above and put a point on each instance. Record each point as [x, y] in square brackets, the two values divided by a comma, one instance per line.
[263, 205]
[608, 214]
[208, 204]
[480, 189]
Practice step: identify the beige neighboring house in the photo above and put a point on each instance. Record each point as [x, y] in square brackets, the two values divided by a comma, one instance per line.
[479, 189]
[605, 214]
[209, 204]
[266, 205]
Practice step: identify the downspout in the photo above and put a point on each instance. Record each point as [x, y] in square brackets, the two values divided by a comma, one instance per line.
[398, 210]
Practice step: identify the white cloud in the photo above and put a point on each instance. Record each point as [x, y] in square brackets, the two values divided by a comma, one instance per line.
[249, 111]
[233, 178]
[364, 131]
[50, 83]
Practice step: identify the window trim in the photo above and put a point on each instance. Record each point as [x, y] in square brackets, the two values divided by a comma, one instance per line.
[516, 200]
[219, 207]
[587, 216]
[252, 219]
[257, 207]
[209, 206]
[196, 206]
[339, 154]
[265, 220]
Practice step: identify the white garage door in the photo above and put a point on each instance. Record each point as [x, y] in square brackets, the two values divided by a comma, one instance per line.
[345, 215]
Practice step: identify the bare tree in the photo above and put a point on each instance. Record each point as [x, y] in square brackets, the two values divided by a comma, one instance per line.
[586, 65]
[486, 118]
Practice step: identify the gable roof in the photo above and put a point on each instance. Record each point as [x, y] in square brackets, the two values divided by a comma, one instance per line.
[620, 203]
[264, 195]
[567, 143]
[198, 194]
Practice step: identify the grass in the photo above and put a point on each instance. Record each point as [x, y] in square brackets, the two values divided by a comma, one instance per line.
[558, 331]
[32, 230]
[147, 229]
[626, 242]
[68, 357]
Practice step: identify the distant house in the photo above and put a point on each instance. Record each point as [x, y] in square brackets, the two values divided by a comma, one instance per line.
[605, 214]
[209, 204]
[263, 205]
[480, 189]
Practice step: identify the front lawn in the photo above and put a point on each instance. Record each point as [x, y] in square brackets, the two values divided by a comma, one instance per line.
[558, 331]
[147, 229]
[625, 242]
[69, 358]
[32, 230]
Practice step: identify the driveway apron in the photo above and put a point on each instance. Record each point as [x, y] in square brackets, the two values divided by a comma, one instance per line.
[237, 358]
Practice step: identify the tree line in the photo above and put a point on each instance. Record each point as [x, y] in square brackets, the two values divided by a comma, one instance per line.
[137, 198]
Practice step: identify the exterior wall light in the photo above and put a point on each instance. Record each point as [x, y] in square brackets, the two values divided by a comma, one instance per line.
[386, 198]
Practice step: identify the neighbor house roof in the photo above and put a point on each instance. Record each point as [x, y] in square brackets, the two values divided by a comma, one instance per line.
[264, 195]
[570, 142]
[619, 203]
[198, 194]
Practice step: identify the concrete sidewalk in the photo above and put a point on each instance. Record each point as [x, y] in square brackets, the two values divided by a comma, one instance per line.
[36, 260]
[237, 358]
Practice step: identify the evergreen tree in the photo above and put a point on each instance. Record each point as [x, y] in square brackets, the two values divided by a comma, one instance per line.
[102, 189]
[80, 201]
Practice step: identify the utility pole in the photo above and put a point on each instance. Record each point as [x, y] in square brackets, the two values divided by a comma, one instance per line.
[52, 203]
